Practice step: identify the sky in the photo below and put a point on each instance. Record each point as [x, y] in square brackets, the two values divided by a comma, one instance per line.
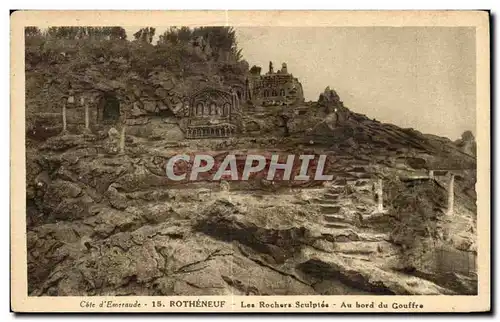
[418, 77]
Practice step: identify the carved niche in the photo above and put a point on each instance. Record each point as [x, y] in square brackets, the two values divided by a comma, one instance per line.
[210, 113]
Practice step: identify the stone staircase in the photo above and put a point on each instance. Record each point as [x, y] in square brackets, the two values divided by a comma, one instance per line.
[342, 216]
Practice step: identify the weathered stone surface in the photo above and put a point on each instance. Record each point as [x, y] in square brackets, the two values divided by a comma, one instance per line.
[201, 247]
[64, 142]
[369, 277]
[101, 224]
[149, 106]
[116, 199]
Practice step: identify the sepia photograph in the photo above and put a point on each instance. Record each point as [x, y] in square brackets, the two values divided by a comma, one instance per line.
[262, 160]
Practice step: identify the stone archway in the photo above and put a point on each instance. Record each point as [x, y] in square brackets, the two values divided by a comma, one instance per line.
[240, 92]
[109, 108]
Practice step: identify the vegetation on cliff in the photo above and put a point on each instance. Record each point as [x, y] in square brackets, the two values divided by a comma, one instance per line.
[60, 60]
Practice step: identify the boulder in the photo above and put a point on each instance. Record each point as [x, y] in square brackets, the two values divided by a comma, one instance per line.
[150, 106]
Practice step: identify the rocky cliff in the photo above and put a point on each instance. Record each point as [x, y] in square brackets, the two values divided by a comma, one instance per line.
[100, 222]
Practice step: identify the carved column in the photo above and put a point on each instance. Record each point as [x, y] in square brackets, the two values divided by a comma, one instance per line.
[64, 116]
[122, 139]
[87, 123]
[380, 196]
[237, 101]
[451, 194]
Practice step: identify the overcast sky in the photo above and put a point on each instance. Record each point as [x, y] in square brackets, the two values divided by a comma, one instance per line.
[412, 76]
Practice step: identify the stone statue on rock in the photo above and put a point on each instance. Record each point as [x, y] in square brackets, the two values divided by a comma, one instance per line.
[330, 100]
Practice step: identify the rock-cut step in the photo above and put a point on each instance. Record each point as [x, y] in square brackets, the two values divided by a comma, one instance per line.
[331, 196]
[337, 189]
[323, 201]
[334, 218]
[330, 209]
[357, 169]
[338, 225]
[363, 175]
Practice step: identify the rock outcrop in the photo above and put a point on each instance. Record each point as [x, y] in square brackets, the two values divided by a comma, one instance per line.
[103, 219]
[101, 224]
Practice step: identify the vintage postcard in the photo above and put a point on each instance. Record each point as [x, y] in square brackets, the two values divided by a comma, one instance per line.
[250, 161]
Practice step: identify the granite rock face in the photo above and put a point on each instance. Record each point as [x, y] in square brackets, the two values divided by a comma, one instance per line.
[111, 224]
[106, 221]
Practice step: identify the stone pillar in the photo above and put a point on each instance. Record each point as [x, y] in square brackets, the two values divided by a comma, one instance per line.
[236, 101]
[64, 117]
[122, 140]
[380, 196]
[87, 123]
[431, 174]
[451, 194]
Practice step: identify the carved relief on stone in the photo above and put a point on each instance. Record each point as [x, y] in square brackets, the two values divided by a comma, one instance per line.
[209, 101]
[210, 113]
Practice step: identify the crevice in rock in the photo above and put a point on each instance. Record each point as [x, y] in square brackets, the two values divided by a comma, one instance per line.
[321, 270]
[263, 264]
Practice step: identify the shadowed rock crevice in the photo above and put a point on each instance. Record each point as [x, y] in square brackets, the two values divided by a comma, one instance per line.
[223, 222]
[322, 271]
